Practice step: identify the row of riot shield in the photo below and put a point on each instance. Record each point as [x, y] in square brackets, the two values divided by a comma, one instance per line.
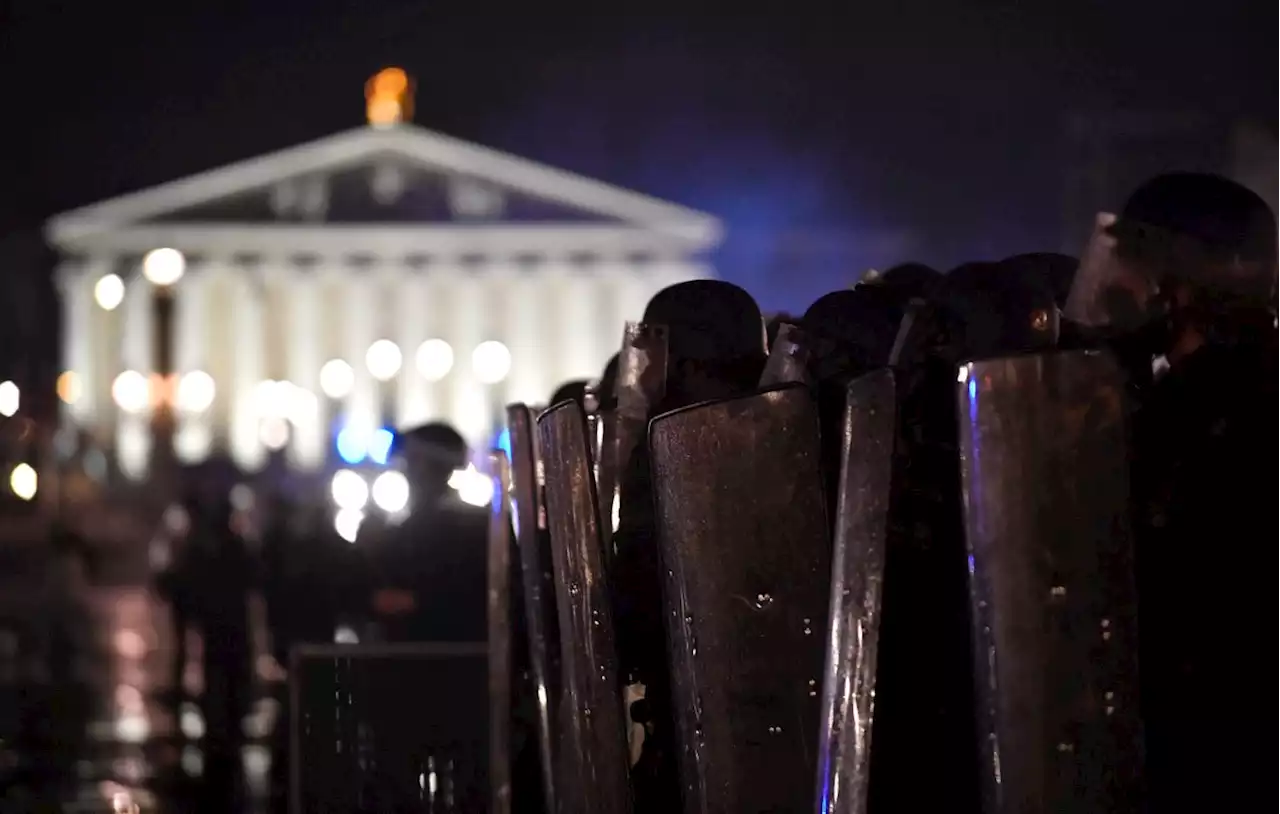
[788, 584]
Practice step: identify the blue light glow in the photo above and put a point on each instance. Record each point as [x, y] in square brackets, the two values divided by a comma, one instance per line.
[353, 445]
[380, 446]
[504, 442]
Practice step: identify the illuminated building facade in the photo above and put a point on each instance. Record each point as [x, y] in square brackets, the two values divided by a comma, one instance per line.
[377, 278]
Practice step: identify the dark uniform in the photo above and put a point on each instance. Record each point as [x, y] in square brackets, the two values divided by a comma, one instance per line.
[429, 572]
[438, 556]
[1180, 285]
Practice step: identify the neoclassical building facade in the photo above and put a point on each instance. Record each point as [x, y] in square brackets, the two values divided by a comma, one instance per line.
[373, 279]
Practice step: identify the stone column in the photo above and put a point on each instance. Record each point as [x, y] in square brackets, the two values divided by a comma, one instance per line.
[572, 288]
[413, 326]
[194, 436]
[525, 318]
[469, 404]
[133, 434]
[76, 281]
[611, 277]
[247, 364]
[361, 410]
[303, 360]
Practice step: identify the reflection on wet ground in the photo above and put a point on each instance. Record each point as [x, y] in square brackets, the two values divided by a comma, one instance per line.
[88, 721]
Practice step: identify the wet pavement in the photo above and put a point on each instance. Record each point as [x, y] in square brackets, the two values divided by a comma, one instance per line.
[89, 721]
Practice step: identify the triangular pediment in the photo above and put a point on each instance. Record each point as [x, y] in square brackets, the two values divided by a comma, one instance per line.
[399, 176]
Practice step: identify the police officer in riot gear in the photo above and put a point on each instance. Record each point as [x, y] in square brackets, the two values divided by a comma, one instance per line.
[1180, 283]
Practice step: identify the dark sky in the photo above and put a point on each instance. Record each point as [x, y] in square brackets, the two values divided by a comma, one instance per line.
[941, 118]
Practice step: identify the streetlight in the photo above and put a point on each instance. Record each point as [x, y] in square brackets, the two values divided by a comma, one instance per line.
[163, 268]
[10, 396]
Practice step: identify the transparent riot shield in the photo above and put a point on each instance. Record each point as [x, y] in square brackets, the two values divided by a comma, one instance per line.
[788, 358]
[746, 551]
[537, 580]
[1045, 476]
[594, 779]
[499, 619]
[857, 579]
[642, 376]
[1115, 286]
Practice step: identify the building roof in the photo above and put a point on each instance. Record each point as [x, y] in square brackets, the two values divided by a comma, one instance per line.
[187, 206]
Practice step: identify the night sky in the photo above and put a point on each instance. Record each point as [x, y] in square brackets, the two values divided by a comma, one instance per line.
[938, 120]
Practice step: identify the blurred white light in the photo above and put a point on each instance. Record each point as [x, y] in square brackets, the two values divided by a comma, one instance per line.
[196, 390]
[10, 396]
[257, 759]
[349, 490]
[108, 292]
[491, 362]
[131, 391]
[473, 487]
[122, 802]
[192, 761]
[192, 442]
[345, 635]
[390, 492]
[434, 359]
[24, 481]
[281, 399]
[191, 721]
[303, 404]
[132, 728]
[242, 497]
[269, 398]
[383, 359]
[95, 464]
[175, 520]
[69, 387]
[274, 433]
[163, 266]
[347, 523]
[336, 378]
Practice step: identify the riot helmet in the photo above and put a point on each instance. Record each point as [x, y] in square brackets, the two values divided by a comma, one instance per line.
[912, 280]
[852, 331]
[575, 390]
[715, 339]
[994, 309]
[1187, 250]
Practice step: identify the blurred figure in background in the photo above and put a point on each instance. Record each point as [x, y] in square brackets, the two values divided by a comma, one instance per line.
[222, 575]
[169, 558]
[305, 587]
[428, 573]
[56, 710]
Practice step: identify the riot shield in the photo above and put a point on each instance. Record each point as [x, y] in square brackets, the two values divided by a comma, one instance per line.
[642, 376]
[536, 576]
[746, 554]
[594, 761]
[857, 577]
[499, 618]
[1045, 475]
[1101, 280]
[788, 358]
[389, 728]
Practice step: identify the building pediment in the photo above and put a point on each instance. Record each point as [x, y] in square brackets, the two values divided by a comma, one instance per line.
[380, 181]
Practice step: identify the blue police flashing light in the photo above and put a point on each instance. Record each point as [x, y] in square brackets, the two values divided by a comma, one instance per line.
[380, 446]
[504, 442]
[353, 445]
